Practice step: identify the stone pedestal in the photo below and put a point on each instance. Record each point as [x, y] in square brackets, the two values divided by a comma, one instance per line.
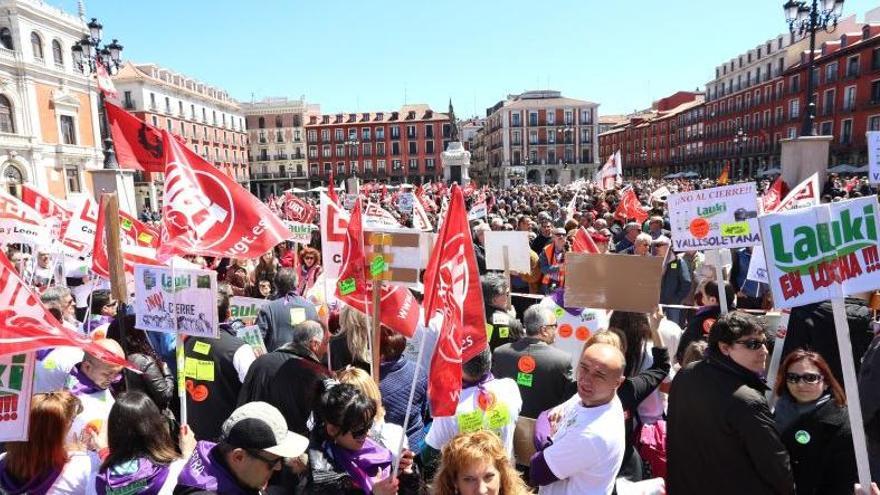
[456, 162]
[566, 176]
[804, 156]
[119, 181]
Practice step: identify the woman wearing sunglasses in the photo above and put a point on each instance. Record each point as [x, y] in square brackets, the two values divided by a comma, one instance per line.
[811, 417]
[343, 460]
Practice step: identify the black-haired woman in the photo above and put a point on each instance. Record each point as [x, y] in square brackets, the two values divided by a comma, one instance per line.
[155, 378]
[143, 457]
[343, 460]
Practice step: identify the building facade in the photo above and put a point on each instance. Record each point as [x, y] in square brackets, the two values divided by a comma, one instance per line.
[395, 147]
[650, 141]
[206, 117]
[537, 135]
[277, 153]
[49, 133]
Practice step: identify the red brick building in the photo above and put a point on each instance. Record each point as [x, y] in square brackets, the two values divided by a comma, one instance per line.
[399, 146]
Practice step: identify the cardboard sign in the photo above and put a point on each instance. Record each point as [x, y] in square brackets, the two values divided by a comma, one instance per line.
[574, 326]
[246, 308]
[252, 336]
[822, 252]
[300, 232]
[612, 281]
[518, 252]
[716, 218]
[16, 387]
[873, 157]
[186, 304]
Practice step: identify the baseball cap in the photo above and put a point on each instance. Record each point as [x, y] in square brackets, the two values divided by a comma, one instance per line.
[260, 426]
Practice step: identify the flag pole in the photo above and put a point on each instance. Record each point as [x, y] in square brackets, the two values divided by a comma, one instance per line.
[178, 341]
[409, 402]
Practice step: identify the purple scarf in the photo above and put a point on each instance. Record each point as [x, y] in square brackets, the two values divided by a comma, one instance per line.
[364, 465]
[558, 297]
[488, 377]
[82, 384]
[132, 477]
[94, 322]
[206, 471]
[36, 486]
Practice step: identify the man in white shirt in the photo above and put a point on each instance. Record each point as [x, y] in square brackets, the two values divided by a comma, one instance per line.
[90, 382]
[585, 448]
[485, 403]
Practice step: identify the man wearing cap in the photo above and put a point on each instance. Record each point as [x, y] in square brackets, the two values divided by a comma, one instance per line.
[552, 262]
[630, 232]
[254, 444]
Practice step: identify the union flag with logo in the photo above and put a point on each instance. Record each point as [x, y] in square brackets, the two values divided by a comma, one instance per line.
[138, 242]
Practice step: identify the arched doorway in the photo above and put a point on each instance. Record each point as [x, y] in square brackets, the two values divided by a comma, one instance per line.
[13, 177]
[534, 177]
[550, 176]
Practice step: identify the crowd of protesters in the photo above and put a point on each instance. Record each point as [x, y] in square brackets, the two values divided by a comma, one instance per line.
[672, 401]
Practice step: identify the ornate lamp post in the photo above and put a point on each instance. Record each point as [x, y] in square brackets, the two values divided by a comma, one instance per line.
[740, 140]
[88, 55]
[644, 155]
[805, 18]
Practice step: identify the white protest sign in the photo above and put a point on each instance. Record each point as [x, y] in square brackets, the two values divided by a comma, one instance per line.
[405, 202]
[16, 387]
[300, 232]
[874, 157]
[333, 231]
[21, 223]
[716, 218]
[574, 325]
[758, 266]
[191, 298]
[819, 253]
[518, 252]
[478, 210]
[253, 337]
[245, 308]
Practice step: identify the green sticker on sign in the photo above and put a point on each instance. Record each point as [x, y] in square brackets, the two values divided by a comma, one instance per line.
[347, 286]
[524, 379]
[734, 229]
[559, 312]
[202, 348]
[497, 417]
[125, 223]
[503, 332]
[377, 266]
[468, 422]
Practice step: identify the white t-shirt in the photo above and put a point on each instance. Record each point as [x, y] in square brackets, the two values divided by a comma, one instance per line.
[504, 404]
[96, 409]
[51, 373]
[78, 475]
[587, 449]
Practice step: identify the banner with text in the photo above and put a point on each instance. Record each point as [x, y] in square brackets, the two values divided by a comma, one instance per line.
[715, 218]
[190, 297]
[874, 157]
[245, 308]
[16, 383]
[300, 232]
[822, 252]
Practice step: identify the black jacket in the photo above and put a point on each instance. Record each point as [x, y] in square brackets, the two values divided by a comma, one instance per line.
[823, 461]
[698, 328]
[505, 329]
[549, 384]
[675, 284]
[721, 437]
[812, 327]
[631, 393]
[155, 379]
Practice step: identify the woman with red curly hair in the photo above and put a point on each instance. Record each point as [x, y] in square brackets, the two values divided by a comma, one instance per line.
[309, 269]
[476, 463]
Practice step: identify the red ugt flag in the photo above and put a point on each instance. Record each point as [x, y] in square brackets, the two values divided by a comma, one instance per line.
[398, 309]
[26, 325]
[630, 207]
[452, 288]
[208, 213]
[773, 197]
[137, 240]
[138, 145]
[583, 242]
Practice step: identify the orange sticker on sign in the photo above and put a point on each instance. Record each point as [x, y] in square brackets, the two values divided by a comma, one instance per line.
[565, 330]
[485, 400]
[699, 227]
[526, 364]
[582, 333]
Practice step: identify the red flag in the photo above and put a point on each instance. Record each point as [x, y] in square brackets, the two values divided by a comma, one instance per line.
[20, 223]
[724, 178]
[138, 145]
[851, 184]
[773, 196]
[207, 213]
[398, 309]
[297, 210]
[630, 207]
[469, 189]
[26, 325]
[452, 288]
[137, 240]
[583, 242]
[45, 204]
[331, 189]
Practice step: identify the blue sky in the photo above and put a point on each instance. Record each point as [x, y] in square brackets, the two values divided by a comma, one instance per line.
[352, 55]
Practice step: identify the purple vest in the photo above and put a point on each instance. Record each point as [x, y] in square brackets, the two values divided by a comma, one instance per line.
[205, 472]
[132, 477]
[37, 486]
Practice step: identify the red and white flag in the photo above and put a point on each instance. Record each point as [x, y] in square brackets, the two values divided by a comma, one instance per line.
[583, 242]
[21, 223]
[26, 325]
[207, 213]
[138, 145]
[774, 194]
[630, 207]
[611, 173]
[138, 242]
[452, 288]
[803, 195]
[297, 210]
[420, 218]
[376, 217]
[398, 309]
[78, 238]
[46, 205]
[105, 84]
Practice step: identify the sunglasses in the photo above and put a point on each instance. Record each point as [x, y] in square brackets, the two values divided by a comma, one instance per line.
[752, 344]
[808, 378]
[272, 463]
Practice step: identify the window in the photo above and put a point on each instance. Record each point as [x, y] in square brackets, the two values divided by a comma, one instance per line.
[340, 150]
[352, 134]
[368, 149]
[57, 54]
[340, 168]
[380, 148]
[874, 123]
[325, 151]
[794, 109]
[180, 109]
[849, 98]
[551, 137]
[429, 131]
[794, 83]
[339, 135]
[68, 131]
[325, 134]
[6, 39]
[413, 148]
[313, 135]
[517, 138]
[875, 91]
[365, 134]
[586, 116]
[413, 164]
[533, 137]
[167, 105]
[852, 66]
[551, 117]
[569, 117]
[395, 148]
[278, 123]
[71, 174]
[7, 124]
[411, 132]
[831, 72]
[828, 102]
[846, 132]
[395, 132]
[875, 59]
[169, 124]
[327, 167]
[429, 147]
[353, 166]
[429, 164]
[533, 118]
[515, 120]
[380, 165]
[380, 133]
[396, 165]
[37, 46]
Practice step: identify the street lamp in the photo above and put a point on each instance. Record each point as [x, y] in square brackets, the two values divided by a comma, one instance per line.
[805, 20]
[88, 54]
[644, 155]
[739, 140]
